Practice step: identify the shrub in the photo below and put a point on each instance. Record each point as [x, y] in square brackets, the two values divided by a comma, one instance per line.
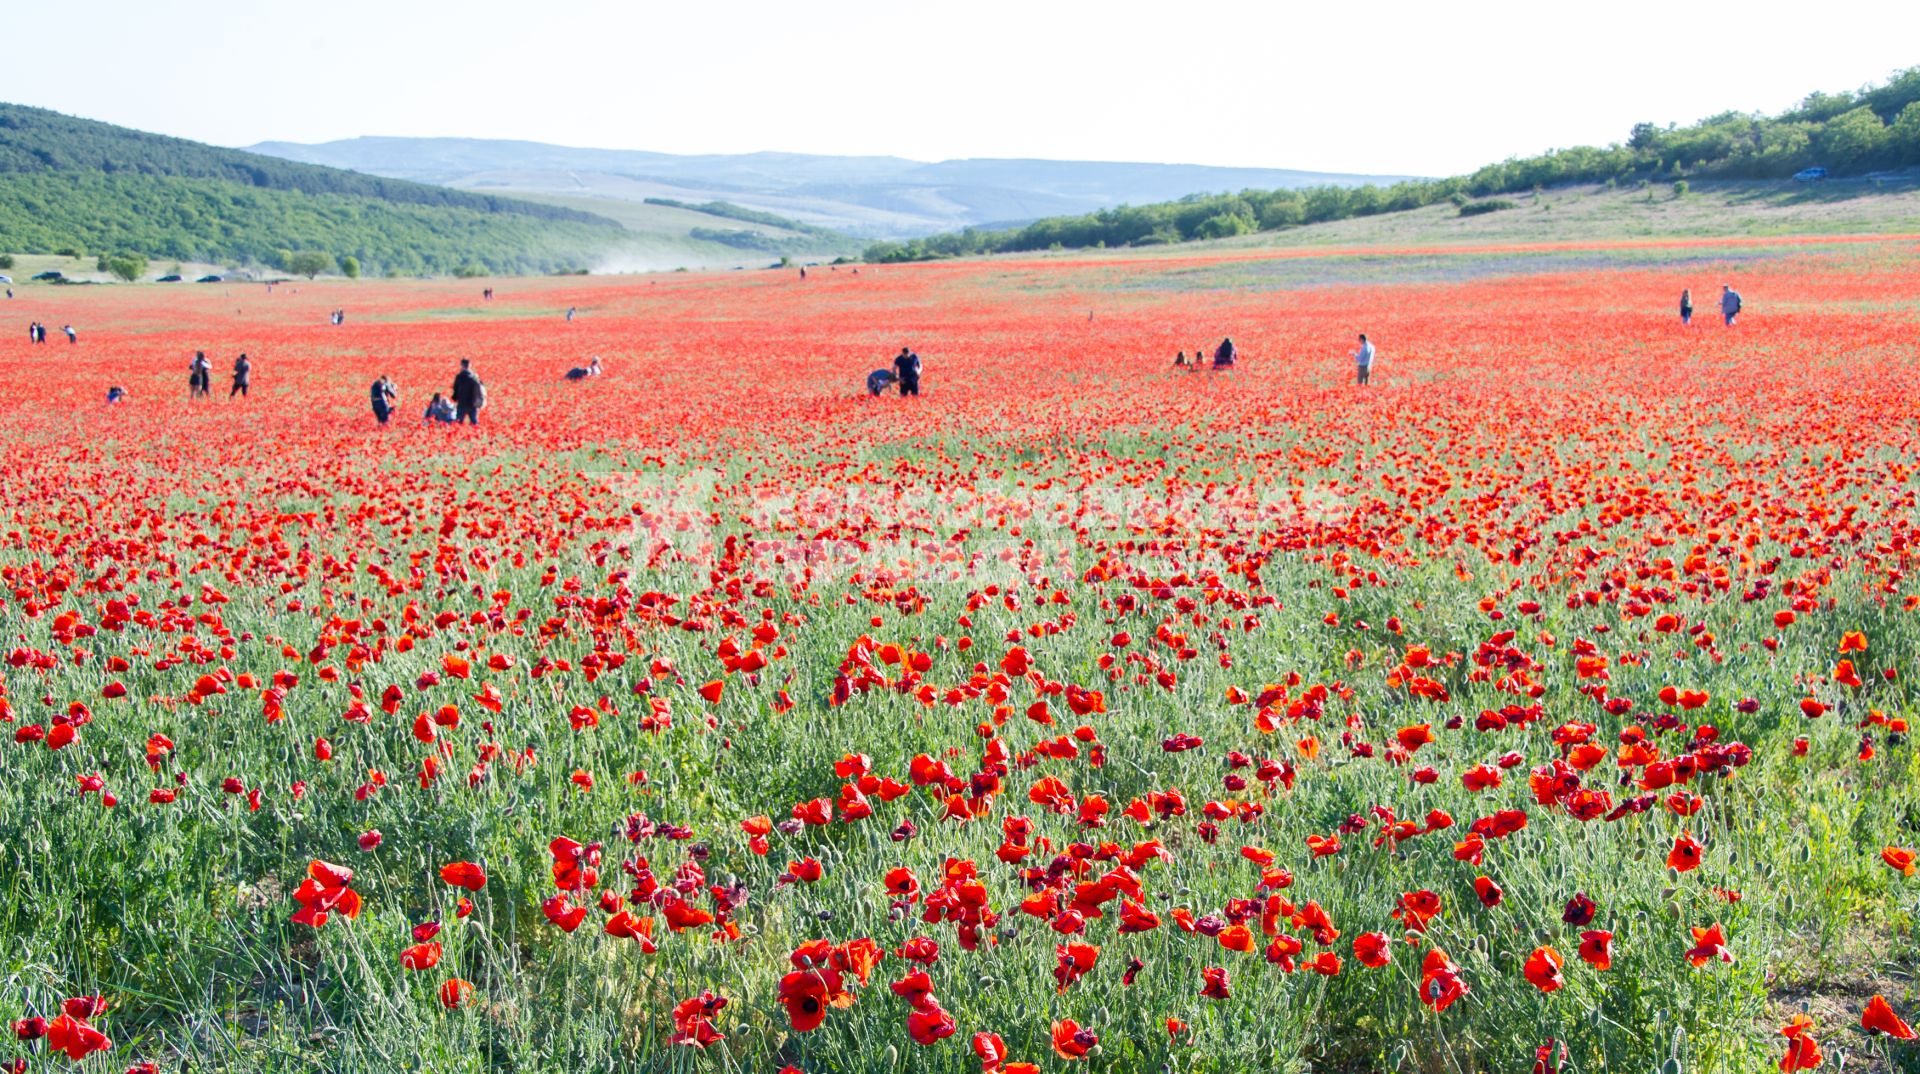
[6, 261]
[1481, 208]
[1679, 188]
[128, 267]
[350, 267]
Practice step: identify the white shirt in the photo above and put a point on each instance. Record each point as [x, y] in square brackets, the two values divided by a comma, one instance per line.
[1364, 356]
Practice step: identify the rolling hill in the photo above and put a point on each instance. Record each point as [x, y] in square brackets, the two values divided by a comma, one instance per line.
[1867, 139]
[76, 184]
[873, 197]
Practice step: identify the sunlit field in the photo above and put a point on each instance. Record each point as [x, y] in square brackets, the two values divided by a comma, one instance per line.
[1542, 706]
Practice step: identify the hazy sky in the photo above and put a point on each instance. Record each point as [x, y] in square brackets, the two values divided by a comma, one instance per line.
[1406, 88]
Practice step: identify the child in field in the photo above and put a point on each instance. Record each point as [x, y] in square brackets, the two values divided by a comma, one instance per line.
[439, 410]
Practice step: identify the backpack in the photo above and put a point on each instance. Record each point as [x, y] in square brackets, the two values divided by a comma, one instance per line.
[479, 394]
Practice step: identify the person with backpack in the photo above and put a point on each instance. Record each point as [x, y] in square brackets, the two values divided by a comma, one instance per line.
[242, 370]
[384, 396]
[468, 394]
[906, 365]
[1729, 303]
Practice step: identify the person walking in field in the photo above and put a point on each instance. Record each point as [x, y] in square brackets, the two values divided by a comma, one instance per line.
[1363, 359]
[1729, 303]
[467, 394]
[1686, 306]
[199, 376]
[242, 371]
[384, 395]
[906, 365]
[570, 312]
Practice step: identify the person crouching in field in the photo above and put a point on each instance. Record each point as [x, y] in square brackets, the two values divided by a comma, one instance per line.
[1363, 360]
[879, 381]
[1224, 354]
[438, 409]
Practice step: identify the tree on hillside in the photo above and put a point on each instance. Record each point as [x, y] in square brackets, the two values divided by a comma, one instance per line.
[350, 267]
[309, 263]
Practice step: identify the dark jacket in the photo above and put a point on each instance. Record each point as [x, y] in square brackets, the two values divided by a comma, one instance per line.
[908, 366]
[466, 389]
[241, 369]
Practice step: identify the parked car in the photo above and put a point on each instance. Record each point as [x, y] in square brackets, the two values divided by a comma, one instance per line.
[1810, 175]
[50, 275]
[6, 279]
[168, 279]
[210, 279]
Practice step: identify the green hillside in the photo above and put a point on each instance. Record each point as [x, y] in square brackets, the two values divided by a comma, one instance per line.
[1849, 134]
[76, 184]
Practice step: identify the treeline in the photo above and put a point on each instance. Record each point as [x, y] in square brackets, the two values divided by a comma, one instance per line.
[730, 211]
[35, 141]
[1846, 133]
[195, 219]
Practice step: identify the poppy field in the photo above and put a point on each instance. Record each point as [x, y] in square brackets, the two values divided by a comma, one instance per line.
[1543, 705]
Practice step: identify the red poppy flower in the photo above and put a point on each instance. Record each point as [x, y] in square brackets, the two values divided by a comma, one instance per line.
[1879, 1018]
[1803, 1052]
[464, 874]
[421, 956]
[1542, 969]
[1372, 949]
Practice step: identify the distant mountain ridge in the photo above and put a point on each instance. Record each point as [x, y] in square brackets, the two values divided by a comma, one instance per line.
[875, 197]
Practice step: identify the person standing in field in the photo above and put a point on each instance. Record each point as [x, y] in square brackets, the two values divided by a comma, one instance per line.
[384, 396]
[199, 376]
[1686, 306]
[570, 312]
[242, 370]
[466, 394]
[1729, 303]
[74, 337]
[1363, 359]
[907, 365]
